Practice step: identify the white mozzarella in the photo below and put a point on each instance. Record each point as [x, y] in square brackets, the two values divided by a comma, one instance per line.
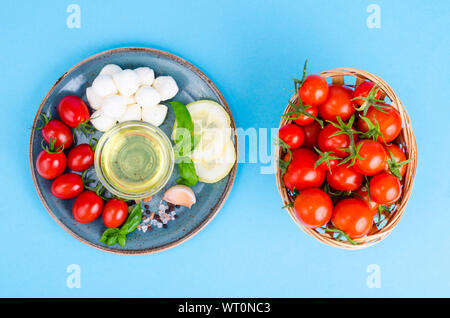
[133, 112]
[147, 96]
[155, 114]
[94, 100]
[102, 122]
[114, 106]
[127, 82]
[110, 69]
[103, 85]
[166, 87]
[130, 100]
[146, 75]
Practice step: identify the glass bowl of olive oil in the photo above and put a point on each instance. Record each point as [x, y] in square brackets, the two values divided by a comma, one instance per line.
[134, 159]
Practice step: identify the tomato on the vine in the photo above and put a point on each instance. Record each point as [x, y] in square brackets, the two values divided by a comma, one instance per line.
[80, 157]
[56, 129]
[67, 186]
[363, 194]
[313, 208]
[389, 120]
[292, 135]
[114, 213]
[302, 119]
[311, 132]
[385, 188]
[300, 173]
[363, 90]
[327, 142]
[353, 216]
[399, 157]
[314, 90]
[344, 178]
[371, 158]
[338, 103]
[73, 110]
[87, 207]
[50, 164]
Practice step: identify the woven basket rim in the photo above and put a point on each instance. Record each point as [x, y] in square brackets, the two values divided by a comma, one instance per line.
[407, 139]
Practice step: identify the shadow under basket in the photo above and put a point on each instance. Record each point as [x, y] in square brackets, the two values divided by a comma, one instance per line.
[384, 224]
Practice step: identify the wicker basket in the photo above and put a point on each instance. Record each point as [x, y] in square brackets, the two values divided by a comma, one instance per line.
[406, 139]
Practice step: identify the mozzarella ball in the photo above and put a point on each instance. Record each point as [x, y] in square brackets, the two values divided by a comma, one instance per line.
[146, 75]
[94, 100]
[103, 85]
[147, 96]
[110, 69]
[130, 100]
[102, 122]
[127, 82]
[133, 112]
[155, 114]
[114, 106]
[166, 87]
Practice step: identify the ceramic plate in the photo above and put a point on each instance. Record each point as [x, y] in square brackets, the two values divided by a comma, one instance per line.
[194, 85]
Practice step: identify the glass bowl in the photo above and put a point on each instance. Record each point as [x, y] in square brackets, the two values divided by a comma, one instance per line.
[134, 160]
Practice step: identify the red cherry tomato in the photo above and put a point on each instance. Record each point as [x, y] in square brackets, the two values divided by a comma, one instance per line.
[343, 178]
[338, 103]
[56, 129]
[353, 216]
[87, 207]
[67, 186]
[80, 157]
[313, 208]
[399, 156]
[49, 165]
[311, 132]
[385, 188]
[362, 90]
[372, 159]
[335, 143]
[363, 194]
[331, 161]
[73, 110]
[301, 173]
[314, 90]
[302, 119]
[390, 122]
[114, 213]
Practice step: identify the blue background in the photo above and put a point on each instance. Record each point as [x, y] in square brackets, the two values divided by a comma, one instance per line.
[251, 50]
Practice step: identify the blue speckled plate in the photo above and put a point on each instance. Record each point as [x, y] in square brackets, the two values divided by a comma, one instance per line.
[194, 85]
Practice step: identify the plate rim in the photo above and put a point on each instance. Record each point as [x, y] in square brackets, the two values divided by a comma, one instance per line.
[219, 203]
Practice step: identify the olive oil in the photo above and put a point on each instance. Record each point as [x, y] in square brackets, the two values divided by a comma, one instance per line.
[136, 161]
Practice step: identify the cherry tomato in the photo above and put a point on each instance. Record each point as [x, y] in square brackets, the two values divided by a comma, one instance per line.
[73, 110]
[87, 207]
[301, 173]
[67, 186]
[385, 188]
[344, 178]
[313, 208]
[372, 159]
[332, 162]
[335, 143]
[363, 90]
[311, 132]
[302, 119]
[80, 157]
[390, 122]
[363, 194]
[49, 165]
[352, 216]
[115, 213]
[314, 90]
[399, 156]
[56, 129]
[338, 103]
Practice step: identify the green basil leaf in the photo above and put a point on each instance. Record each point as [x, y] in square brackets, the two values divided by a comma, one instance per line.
[112, 240]
[184, 123]
[186, 169]
[107, 234]
[133, 220]
[122, 238]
